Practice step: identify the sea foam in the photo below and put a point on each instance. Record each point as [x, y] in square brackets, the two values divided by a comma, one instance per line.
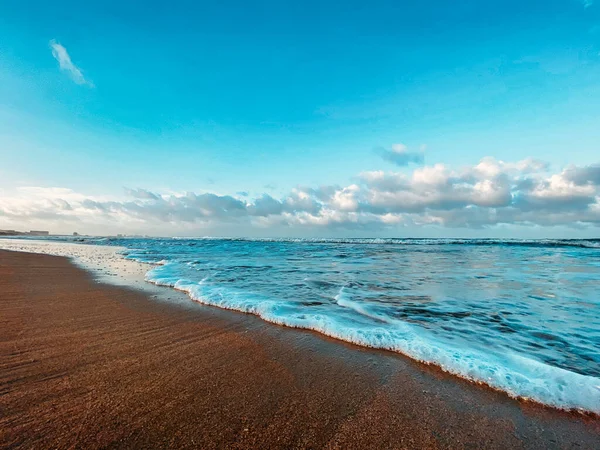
[522, 316]
[517, 375]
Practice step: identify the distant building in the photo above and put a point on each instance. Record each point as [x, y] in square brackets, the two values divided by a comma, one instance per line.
[75, 233]
[8, 232]
[39, 233]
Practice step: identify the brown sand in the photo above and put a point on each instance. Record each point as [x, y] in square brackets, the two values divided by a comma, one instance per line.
[83, 364]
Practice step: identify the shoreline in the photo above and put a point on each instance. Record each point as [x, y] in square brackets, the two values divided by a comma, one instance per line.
[103, 261]
[125, 370]
[108, 265]
[435, 365]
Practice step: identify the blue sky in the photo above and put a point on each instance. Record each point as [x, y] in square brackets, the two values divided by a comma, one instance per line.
[279, 97]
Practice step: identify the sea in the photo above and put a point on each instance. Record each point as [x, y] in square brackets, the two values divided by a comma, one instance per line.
[521, 316]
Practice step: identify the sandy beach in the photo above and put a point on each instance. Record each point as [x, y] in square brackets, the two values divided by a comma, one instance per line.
[90, 365]
[300, 225]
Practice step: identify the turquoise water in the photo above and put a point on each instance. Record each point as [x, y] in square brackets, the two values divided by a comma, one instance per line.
[520, 316]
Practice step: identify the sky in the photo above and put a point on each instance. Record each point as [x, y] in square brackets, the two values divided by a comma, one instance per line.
[462, 118]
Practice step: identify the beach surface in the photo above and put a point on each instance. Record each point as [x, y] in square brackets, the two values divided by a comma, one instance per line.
[88, 364]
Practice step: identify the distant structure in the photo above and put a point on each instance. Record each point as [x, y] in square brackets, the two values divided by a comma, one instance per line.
[24, 233]
[75, 233]
[39, 233]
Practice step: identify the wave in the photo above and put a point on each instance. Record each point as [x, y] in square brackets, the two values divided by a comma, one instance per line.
[362, 291]
[580, 243]
[517, 375]
[593, 243]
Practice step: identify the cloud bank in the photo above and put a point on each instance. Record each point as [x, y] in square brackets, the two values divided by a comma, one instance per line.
[64, 60]
[488, 194]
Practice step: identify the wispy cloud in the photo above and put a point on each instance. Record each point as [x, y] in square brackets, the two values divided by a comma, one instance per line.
[587, 3]
[64, 60]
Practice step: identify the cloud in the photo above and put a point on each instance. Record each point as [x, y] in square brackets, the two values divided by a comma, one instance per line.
[265, 206]
[64, 60]
[587, 3]
[141, 193]
[589, 175]
[484, 195]
[400, 156]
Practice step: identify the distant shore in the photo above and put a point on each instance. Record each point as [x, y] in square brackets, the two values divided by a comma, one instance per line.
[91, 365]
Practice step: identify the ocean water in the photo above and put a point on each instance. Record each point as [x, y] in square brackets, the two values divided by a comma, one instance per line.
[520, 316]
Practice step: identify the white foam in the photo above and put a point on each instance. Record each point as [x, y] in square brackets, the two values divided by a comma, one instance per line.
[104, 261]
[518, 376]
[514, 374]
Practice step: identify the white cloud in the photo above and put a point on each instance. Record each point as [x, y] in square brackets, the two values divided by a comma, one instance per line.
[64, 60]
[484, 195]
[399, 148]
[346, 199]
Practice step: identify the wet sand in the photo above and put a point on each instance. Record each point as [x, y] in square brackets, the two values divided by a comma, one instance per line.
[89, 365]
